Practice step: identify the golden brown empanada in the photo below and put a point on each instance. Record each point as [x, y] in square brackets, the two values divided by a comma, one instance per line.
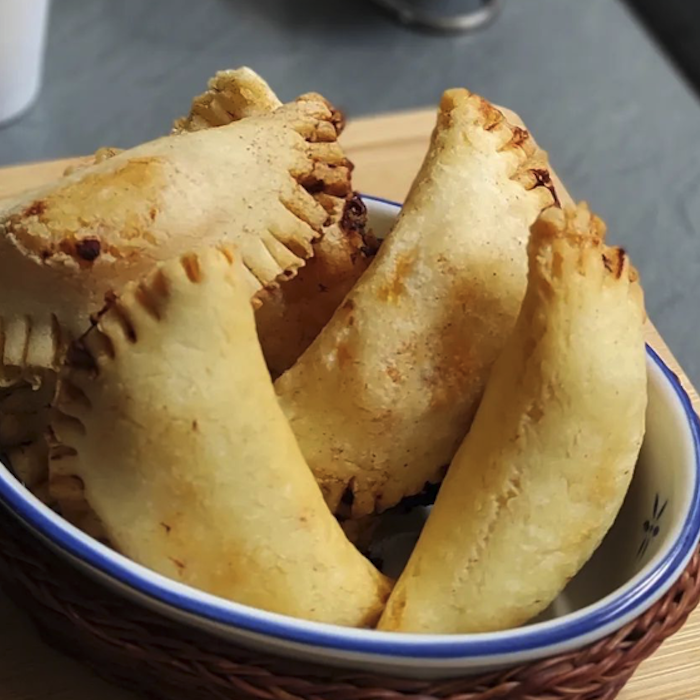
[383, 397]
[294, 313]
[67, 244]
[541, 476]
[167, 413]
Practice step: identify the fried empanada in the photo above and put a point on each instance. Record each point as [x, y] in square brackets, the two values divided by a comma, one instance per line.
[67, 244]
[167, 414]
[383, 397]
[541, 476]
[294, 313]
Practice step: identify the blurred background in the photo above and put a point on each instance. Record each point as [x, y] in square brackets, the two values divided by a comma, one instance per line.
[606, 86]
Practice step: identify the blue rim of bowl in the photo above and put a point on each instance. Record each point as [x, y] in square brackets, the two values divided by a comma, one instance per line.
[385, 644]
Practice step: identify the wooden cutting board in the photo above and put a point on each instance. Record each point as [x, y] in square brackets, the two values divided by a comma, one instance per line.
[387, 151]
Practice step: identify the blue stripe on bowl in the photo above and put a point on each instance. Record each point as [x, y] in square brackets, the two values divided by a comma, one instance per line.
[370, 642]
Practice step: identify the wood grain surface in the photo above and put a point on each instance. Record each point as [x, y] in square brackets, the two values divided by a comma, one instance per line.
[387, 151]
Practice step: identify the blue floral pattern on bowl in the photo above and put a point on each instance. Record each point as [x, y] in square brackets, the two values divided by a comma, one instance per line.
[652, 526]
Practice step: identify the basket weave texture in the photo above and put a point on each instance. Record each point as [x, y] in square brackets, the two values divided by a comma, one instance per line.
[144, 651]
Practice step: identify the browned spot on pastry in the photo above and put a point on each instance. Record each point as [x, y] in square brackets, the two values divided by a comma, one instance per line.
[519, 137]
[195, 426]
[349, 305]
[557, 264]
[227, 252]
[88, 249]
[152, 213]
[452, 373]
[329, 178]
[621, 260]
[492, 117]
[354, 216]
[115, 188]
[180, 565]
[36, 208]
[535, 413]
[166, 527]
[190, 264]
[392, 290]
[343, 355]
[614, 261]
[544, 179]
[394, 374]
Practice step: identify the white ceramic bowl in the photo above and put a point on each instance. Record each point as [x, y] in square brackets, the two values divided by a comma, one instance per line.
[645, 552]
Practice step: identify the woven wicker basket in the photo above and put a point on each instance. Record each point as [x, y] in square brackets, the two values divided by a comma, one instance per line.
[146, 652]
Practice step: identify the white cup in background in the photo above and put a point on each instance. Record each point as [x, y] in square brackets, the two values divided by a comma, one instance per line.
[22, 44]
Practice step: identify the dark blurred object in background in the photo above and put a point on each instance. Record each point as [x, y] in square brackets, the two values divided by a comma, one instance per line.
[442, 15]
[676, 26]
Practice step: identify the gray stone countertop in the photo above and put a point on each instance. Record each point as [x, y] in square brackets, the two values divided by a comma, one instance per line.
[621, 126]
